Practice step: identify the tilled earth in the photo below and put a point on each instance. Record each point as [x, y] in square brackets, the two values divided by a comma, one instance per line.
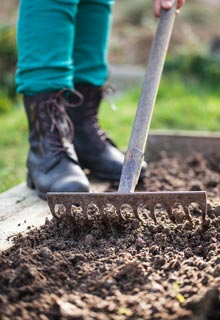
[122, 271]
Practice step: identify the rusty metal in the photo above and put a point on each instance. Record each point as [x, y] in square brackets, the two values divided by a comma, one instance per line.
[62, 204]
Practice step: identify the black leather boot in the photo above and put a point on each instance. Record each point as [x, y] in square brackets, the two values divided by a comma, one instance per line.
[52, 162]
[94, 148]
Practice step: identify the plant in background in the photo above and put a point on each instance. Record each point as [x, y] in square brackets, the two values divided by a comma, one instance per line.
[8, 60]
[5, 102]
[204, 66]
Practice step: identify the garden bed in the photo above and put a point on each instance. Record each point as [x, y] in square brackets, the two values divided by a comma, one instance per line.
[129, 271]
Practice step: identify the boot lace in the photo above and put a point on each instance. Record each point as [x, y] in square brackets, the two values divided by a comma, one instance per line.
[60, 128]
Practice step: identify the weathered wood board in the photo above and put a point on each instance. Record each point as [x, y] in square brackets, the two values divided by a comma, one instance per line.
[21, 208]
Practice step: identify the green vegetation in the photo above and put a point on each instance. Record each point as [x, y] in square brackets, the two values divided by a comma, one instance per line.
[8, 59]
[13, 142]
[183, 102]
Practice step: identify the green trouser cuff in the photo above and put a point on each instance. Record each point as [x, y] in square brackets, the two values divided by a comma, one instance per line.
[91, 43]
[61, 42]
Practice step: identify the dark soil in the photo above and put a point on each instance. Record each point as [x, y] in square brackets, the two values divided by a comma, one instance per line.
[122, 271]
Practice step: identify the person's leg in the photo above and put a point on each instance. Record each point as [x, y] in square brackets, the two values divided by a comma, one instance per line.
[93, 26]
[45, 37]
[45, 44]
[94, 149]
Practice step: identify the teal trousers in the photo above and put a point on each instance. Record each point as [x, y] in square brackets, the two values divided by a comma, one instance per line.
[61, 43]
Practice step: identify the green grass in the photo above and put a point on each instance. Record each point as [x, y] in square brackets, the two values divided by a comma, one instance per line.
[13, 142]
[182, 103]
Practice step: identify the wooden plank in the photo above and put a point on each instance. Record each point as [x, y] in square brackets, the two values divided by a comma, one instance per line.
[184, 143]
[21, 208]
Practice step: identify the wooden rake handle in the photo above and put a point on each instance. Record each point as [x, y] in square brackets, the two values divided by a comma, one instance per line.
[135, 152]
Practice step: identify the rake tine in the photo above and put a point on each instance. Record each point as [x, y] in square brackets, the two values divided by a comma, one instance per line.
[170, 213]
[79, 220]
[117, 211]
[81, 214]
[69, 210]
[152, 213]
[153, 216]
[101, 208]
[203, 208]
[104, 213]
[52, 209]
[121, 214]
[187, 213]
[137, 215]
[85, 212]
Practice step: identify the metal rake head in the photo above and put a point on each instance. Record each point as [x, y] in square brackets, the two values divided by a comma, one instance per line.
[76, 205]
